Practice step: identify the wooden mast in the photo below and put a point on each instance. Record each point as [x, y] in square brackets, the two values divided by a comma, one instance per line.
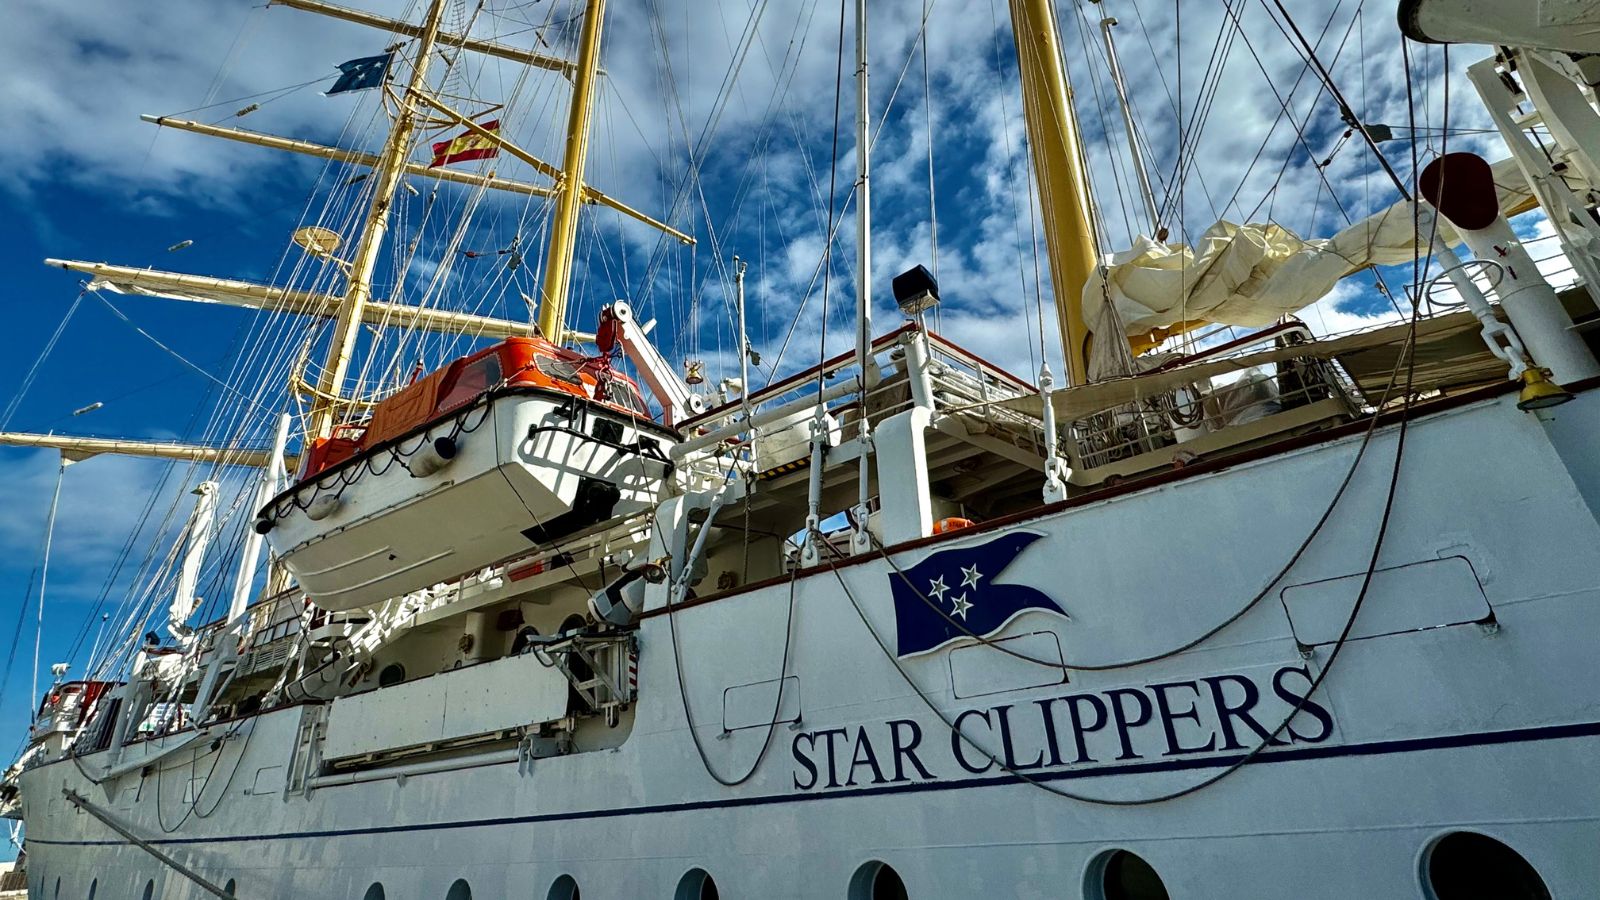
[564, 227]
[1057, 165]
[358, 289]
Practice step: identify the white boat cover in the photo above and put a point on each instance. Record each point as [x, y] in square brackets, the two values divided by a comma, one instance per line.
[1250, 275]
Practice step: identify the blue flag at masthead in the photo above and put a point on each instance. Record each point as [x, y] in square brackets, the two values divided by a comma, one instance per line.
[360, 74]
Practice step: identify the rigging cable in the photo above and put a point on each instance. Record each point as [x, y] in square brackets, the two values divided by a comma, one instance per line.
[783, 677]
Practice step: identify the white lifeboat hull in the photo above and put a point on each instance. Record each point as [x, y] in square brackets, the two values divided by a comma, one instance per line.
[525, 471]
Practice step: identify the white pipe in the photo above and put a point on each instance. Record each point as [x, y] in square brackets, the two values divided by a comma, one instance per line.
[1532, 305]
[1501, 340]
[421, 768]
[744, 346]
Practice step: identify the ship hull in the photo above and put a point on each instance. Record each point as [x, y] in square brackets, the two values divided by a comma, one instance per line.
[1459, 697]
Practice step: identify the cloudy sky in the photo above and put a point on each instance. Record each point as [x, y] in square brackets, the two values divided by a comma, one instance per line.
[717, 116]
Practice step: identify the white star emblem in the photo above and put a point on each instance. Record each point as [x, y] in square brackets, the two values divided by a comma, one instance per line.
[970, 576]
[961, 606]
[936, 587]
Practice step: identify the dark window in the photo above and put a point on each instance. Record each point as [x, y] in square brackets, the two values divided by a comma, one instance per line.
[374, 892]
[459, 891]
[149, 890]
[230, 887]
[564, 888]
[94, 888]
[1468, 866]
[558, 370]
[1126, 876]
[622, 394]
[470, 380]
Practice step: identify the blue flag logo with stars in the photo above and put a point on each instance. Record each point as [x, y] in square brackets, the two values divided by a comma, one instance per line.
[360, 74]
[954, 594]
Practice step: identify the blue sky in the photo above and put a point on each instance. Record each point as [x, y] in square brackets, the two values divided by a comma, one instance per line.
[85, 179]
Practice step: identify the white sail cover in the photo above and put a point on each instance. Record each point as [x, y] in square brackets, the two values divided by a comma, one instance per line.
[198, 534]
[1250, 275]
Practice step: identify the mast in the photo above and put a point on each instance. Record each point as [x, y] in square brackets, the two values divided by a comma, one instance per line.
[569, 199]
[1152, 213]
[358, 289]
[863, 200]
[860, 540]
[38, 630]
[1057, 164]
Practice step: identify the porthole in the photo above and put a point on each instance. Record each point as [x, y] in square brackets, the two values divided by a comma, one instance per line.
[459, 891]
[391, 675]
[149, 890]
[696, 884]
[1122, 875]
[374, 892]
[877, 881]
[564, 888]
[1465, 865]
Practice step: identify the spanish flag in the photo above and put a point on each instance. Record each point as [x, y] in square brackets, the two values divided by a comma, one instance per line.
[466, 146]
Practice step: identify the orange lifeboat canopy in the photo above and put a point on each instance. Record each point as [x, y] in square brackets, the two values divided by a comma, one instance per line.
[514, 362]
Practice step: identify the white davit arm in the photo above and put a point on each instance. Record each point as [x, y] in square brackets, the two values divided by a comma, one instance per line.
[677, 403]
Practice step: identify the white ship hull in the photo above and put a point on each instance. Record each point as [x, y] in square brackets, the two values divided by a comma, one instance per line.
[1463, 700]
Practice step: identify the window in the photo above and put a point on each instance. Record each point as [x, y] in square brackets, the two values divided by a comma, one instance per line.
[564, 888]
[1121, 875]
[58, 888]
[696, 884]
[470, 380]
[622, 394]
[149, 890]
[374, 892]
[231, 888]
[558, 370]
[1465, 866]
[459, 891]
[94, 888]
[877, 881]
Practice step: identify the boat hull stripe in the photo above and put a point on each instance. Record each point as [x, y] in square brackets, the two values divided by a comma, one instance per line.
[1296, 754]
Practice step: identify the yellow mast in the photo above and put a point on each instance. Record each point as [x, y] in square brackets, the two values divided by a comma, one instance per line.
[564, 228]
[358, 289]
[1057, 165]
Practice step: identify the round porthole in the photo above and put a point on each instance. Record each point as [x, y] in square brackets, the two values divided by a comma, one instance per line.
[1122, 875]
[696, 884]
[564, 888]
[877, 881]
[460, 890]
[392, 674]
[1465, 865]
[374, 892]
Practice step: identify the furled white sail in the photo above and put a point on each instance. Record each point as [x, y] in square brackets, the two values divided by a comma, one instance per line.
[198, 535]
[1249, 275]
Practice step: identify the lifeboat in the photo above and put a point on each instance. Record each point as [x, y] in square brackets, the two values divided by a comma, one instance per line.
[513, 447]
